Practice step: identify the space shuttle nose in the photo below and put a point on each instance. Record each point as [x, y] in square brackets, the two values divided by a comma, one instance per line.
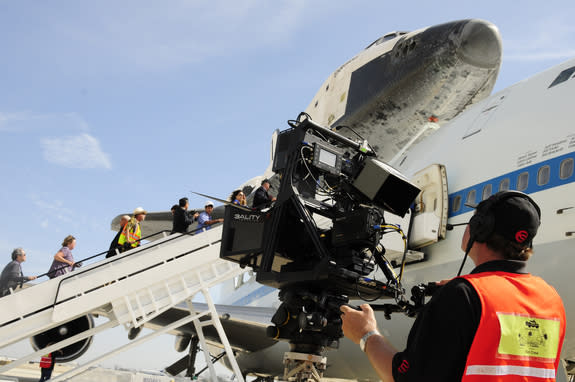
[480, 44]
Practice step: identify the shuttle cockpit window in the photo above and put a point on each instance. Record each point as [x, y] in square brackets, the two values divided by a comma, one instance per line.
[566, 168]
[387, 37]
[522, 181]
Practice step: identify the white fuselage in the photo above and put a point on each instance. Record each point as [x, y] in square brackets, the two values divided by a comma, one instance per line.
[514, 137]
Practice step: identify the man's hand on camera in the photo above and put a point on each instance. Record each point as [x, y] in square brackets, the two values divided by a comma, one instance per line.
[356, 323]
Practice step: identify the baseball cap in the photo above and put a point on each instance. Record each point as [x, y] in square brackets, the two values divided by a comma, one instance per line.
[516, 218]
[209, 203]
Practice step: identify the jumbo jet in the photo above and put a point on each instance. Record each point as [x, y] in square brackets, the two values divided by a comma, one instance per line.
[456, 153]
[521, 138]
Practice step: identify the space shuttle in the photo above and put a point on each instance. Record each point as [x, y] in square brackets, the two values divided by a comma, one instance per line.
[396, 91]
[419, 100]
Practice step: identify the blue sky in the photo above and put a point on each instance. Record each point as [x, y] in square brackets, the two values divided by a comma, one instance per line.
[109, 105]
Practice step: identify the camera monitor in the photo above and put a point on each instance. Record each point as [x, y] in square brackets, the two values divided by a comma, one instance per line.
[327, 158]
[386, 186]
[243, 236]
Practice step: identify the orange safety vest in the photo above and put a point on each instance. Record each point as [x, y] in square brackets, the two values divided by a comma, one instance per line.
[521, 330]
[131, 233]
[46, 361]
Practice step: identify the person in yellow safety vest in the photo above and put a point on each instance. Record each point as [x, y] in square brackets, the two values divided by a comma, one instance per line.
[132, 232]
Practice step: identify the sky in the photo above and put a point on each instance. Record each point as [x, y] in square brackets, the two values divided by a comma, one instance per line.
[110, 105]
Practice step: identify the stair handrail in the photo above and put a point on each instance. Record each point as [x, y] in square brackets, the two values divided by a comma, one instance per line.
[117, 258]
[113, 259]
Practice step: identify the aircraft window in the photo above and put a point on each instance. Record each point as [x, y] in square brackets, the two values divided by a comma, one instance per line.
[543, 175]
[566, 168]
[487, 191]
[456, 205]
[563, 76]
[470, 197]
[387, 37]
[504, 184]
[522, 181]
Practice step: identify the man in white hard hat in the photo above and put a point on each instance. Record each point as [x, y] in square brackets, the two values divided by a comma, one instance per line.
[132, 232]
[205, 220]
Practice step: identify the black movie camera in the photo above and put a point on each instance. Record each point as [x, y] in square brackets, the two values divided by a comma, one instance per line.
[319, 240]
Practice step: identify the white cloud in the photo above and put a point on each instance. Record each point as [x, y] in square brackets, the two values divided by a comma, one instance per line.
[25, 121]
[14, 121]
[148, 35]
[549, 38]
[54, 209]
[80, 151]
[74, 151]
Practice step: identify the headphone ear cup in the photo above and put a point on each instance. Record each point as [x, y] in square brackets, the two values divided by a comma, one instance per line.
[474, 226]
[481, 226]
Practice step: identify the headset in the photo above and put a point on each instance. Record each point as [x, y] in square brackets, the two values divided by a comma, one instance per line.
[482, 223]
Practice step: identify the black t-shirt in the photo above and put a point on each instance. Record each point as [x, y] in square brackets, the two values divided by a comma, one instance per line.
[181, 221]
[443, 332]
[261, 198]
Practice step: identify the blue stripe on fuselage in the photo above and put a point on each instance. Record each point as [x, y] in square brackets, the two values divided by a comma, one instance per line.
[532, 186]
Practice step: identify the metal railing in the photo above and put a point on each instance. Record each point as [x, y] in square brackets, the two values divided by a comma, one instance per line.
[134, 251]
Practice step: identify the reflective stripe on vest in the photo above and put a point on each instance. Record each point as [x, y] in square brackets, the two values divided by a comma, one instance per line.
[46, 361]
[133, 236]
[523, 371]
[521, 330]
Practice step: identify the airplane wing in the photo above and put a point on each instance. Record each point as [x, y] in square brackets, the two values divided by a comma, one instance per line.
[156, 222]
[245, 326]
[245, 329]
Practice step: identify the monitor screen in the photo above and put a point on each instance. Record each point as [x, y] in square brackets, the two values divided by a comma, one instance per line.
[327, 158]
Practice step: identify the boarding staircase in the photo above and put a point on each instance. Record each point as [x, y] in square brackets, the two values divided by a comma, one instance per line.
[130, 290]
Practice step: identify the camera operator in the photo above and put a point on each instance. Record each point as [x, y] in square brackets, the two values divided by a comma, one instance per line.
[497, 323]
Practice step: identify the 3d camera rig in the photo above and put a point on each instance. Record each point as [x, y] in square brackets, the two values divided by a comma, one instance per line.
[322, 176]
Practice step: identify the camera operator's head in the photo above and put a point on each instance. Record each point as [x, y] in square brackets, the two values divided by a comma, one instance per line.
[505, 224]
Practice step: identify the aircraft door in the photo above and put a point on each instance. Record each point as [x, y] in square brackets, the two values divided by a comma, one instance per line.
[429, 221]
